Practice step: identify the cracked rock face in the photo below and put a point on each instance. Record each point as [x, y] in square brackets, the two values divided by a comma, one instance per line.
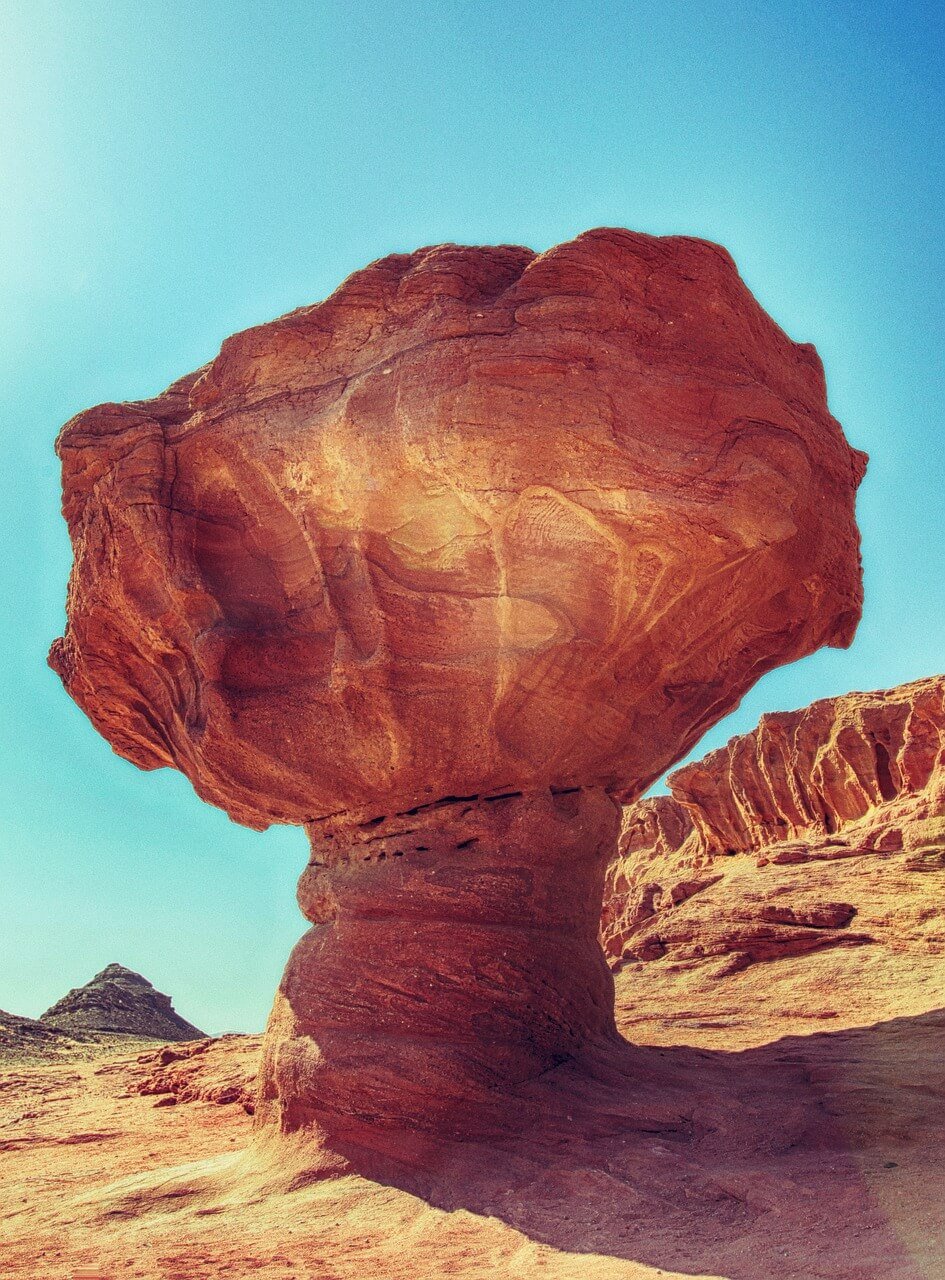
[472, 549]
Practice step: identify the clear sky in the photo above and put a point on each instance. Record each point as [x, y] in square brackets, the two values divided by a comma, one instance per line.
[172, 172]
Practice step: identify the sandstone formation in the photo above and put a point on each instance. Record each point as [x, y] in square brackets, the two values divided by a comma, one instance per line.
[441, 568]
[221, 1071]
[817, 841]
[868, 768]
[119, 1000]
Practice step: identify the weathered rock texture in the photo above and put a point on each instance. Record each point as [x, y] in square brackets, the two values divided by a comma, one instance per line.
[459, 959]
[821, 831]
[221, 1071]
[483, 523]
[595, 492]
[815, 1156]
[831, 769]
[118, 999]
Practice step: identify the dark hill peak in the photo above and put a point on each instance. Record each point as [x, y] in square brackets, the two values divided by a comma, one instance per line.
[119, 1000]
[119, 973]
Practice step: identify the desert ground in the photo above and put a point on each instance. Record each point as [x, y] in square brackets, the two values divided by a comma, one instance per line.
[737, 1136]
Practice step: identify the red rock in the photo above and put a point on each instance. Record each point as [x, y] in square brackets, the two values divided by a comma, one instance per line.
[454, 953]
[597, 490]
[823, 771]
[801, 837]
[483, 523]
[220, 1071]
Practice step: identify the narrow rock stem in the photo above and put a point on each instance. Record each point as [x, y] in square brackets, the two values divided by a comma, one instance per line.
[453, 958]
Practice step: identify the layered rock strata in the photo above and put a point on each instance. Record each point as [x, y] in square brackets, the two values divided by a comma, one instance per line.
[482, 540]
[822, 830]
[869, 765]
[453, 956]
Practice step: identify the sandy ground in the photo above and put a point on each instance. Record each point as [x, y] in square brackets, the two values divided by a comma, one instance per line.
[815, 1156]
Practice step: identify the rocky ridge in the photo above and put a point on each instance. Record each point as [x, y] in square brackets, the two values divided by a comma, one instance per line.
[818, 841]
[28, 1038]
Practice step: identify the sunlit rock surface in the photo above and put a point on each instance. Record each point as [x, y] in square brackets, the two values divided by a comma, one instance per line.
[442, 568]
[817, 842]
[483, 519]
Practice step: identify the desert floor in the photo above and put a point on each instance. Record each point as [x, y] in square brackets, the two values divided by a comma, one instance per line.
[816, 1154]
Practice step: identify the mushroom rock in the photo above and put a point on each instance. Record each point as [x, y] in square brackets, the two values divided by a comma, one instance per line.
[443, 568]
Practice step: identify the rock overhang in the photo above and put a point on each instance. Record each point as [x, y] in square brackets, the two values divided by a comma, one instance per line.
[482, 520]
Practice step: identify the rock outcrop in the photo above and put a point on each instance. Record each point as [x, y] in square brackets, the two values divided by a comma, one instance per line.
[441, 568]
[865, 767]
[821, 831]
[454, 952]
[221, 1070]
[30, 1038]
[119, 1000]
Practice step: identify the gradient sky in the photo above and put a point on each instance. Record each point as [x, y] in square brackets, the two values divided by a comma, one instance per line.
[172, 172]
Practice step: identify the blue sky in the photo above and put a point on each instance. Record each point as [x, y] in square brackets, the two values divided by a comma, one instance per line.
[173, 172]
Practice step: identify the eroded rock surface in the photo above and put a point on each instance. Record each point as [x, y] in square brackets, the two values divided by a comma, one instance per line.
[831, 769]
[817, 1155]
[484, 519]
[459, 960]
[482, 542]
[817, 841]
[221, 1071]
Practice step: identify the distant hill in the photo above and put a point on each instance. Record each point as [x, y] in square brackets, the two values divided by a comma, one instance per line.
[29, 1038]
[119, 1000]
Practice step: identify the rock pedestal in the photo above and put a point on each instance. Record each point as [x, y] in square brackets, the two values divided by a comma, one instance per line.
[484, 521]
[453, 956]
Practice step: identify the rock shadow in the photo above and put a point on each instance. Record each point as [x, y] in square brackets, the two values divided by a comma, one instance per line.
[812, 1156]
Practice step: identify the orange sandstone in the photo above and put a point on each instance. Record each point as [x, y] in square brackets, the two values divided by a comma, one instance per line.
[442, 568]
[817, 841]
